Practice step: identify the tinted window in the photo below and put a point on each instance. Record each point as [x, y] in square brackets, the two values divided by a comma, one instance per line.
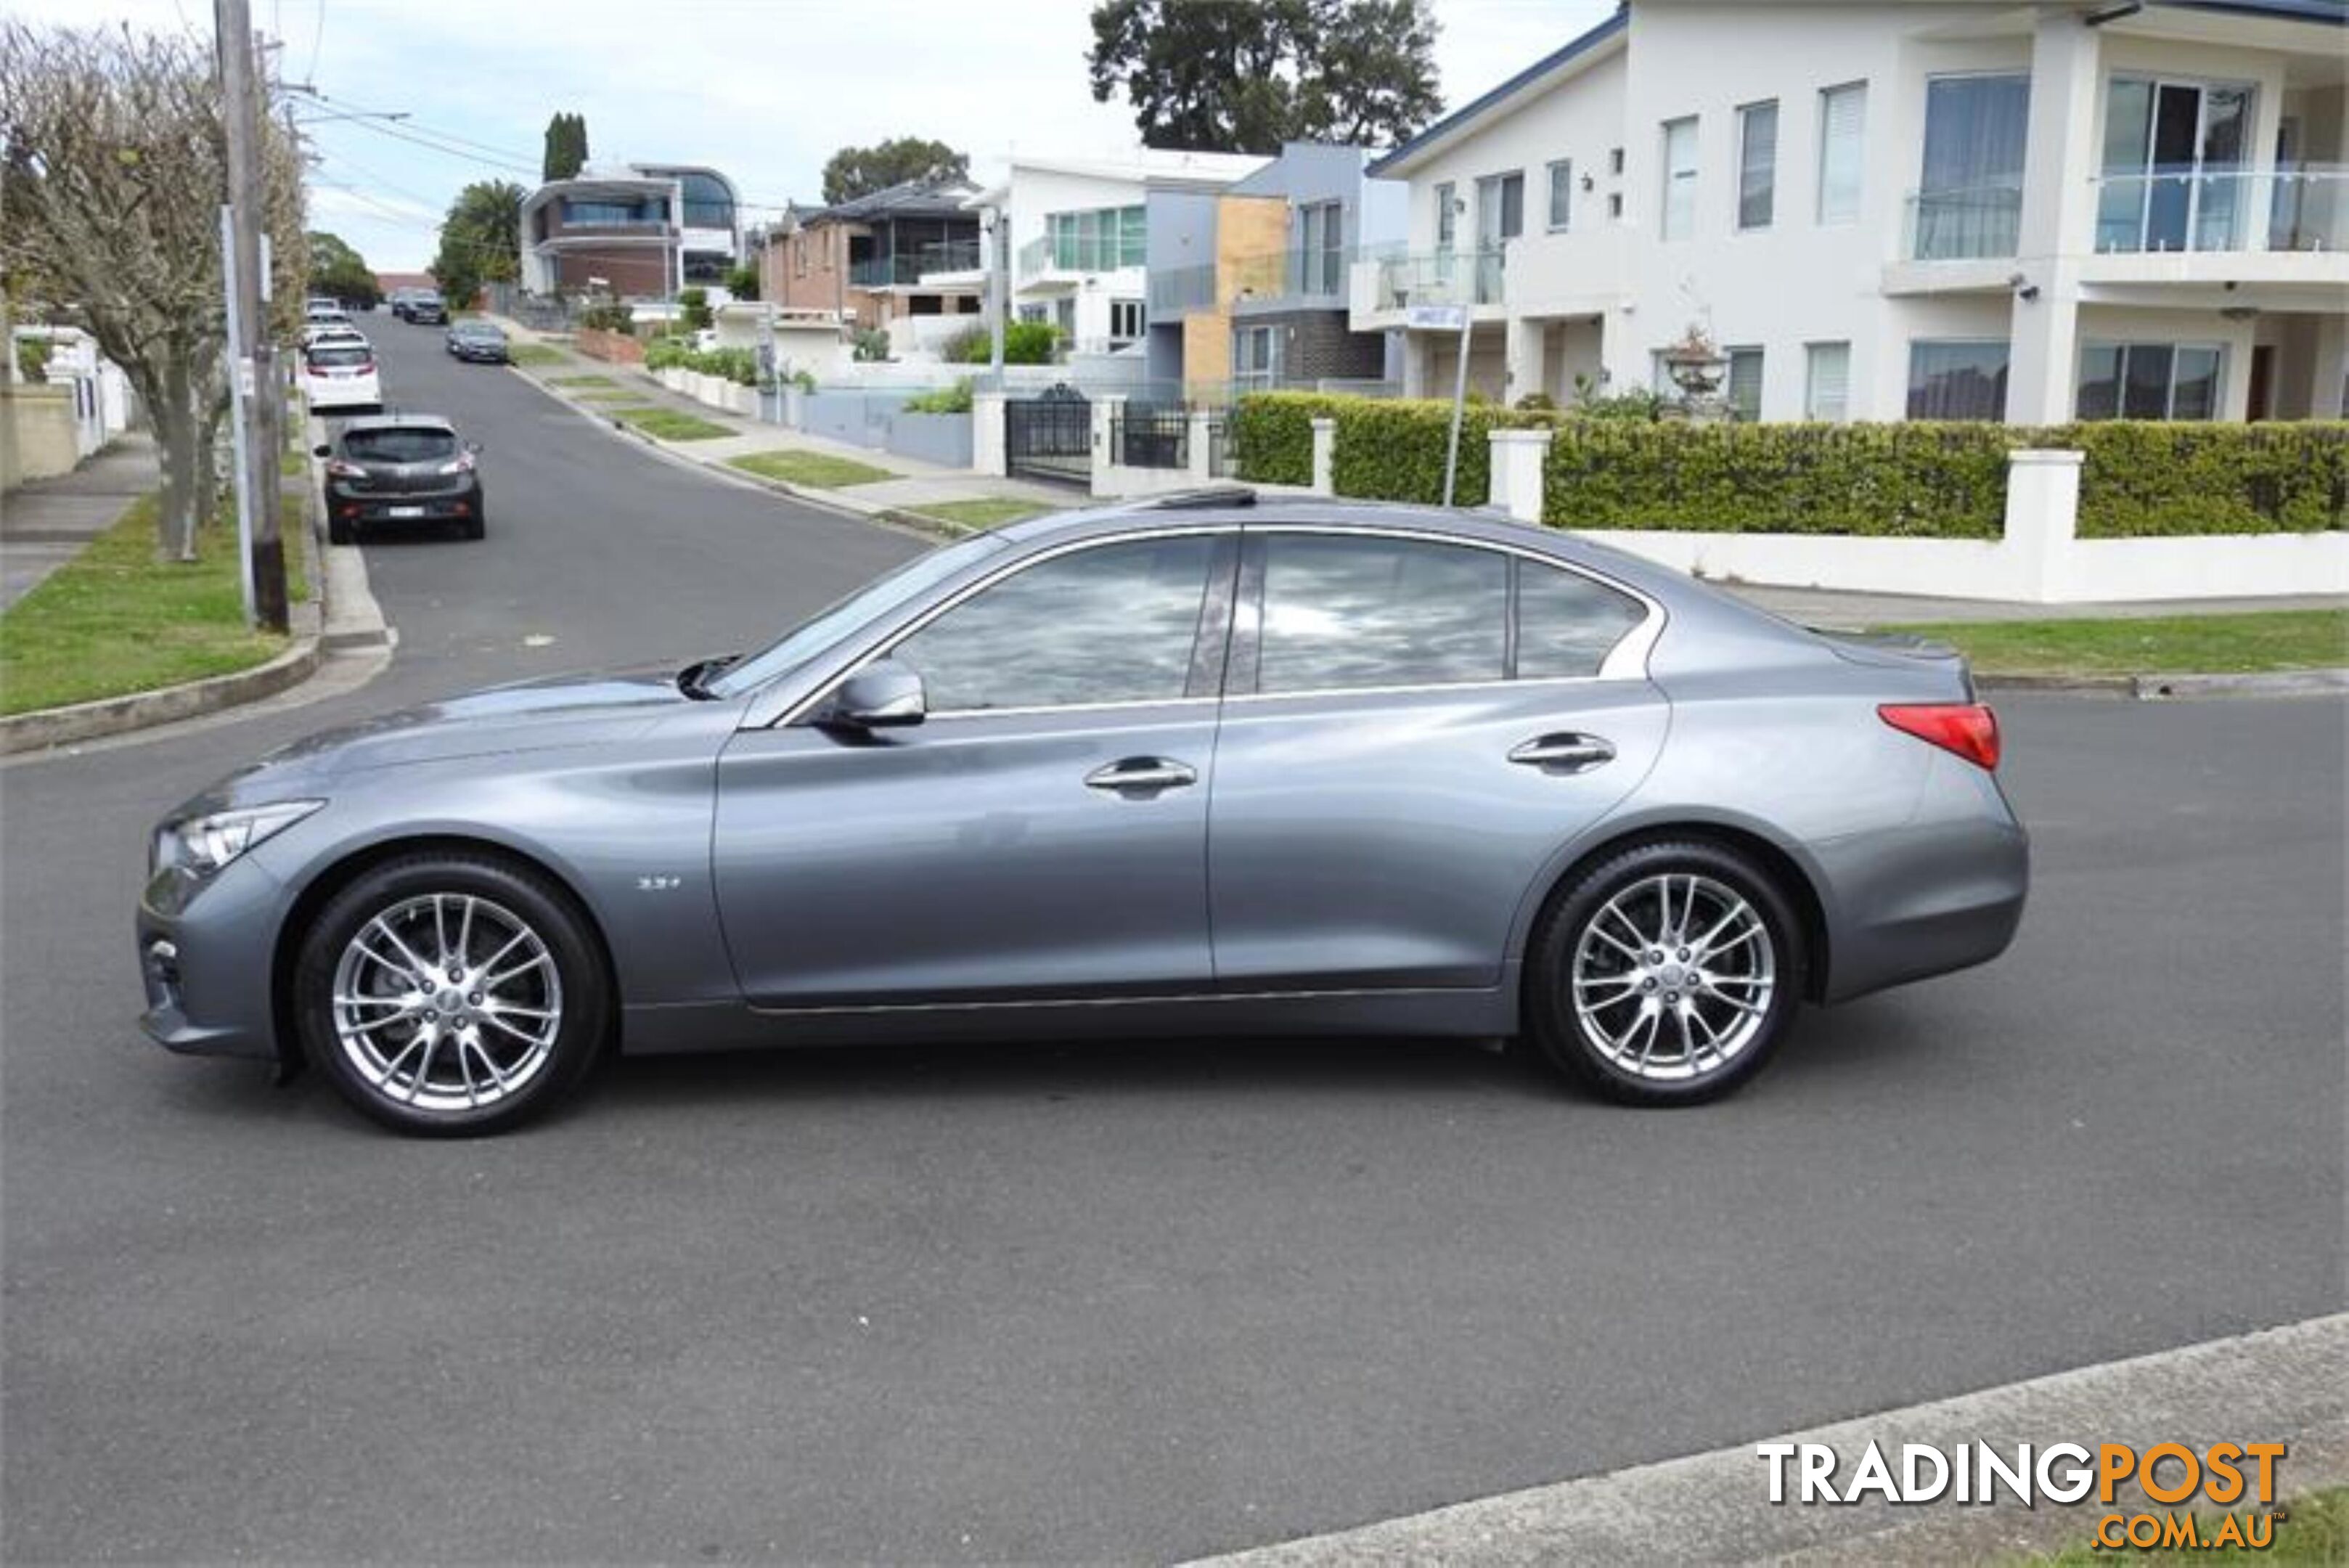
[1353, 612]
[1567, 624]
[1111, 624]
[399, 445]
[340, 354]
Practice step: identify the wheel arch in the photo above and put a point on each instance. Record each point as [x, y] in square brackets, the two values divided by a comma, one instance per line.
[1785, 866]
[356, 862]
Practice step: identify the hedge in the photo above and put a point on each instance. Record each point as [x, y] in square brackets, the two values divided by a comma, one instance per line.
[1917, 479]
[739, 365]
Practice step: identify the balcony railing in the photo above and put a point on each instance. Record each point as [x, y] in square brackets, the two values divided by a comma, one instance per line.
[1965, 222]
[2297, 207]
[1439, 277]
[1074, 252]
[907, 267]
[952, 255]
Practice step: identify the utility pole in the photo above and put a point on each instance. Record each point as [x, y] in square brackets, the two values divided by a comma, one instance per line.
[998, 286]
[253, 377]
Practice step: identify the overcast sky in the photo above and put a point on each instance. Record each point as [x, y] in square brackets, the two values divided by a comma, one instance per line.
[764, 89]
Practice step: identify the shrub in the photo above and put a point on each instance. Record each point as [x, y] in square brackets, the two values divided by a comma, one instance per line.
[1024, 342]
[872, 345]
[954, 400]
[33, 359]
[1393, 449]
[1536, 403]
[693, 304]
[2144, 478]
[972, 345]
[609, 317]
[667, 354]
[742, 280]
[1271, 435]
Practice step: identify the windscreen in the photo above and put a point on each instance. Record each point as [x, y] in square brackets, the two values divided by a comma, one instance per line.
[399, 445]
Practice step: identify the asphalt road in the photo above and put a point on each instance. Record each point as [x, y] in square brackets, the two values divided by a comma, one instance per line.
[1113, 1300]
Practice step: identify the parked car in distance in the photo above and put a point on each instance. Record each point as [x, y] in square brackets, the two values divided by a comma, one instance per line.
[318, 332]
[426, 308]
[398, 300]
[340, 377]
[400, 469]
[1205, 765]
[482, 342]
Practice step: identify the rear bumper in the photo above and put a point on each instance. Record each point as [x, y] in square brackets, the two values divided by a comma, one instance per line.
[454, 506]
[1944, 891]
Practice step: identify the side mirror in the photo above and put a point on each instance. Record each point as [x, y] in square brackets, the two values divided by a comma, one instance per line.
[473, 446]
[322, 451]
[883, 695]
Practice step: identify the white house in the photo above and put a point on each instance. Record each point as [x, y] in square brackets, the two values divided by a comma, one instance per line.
[1079, 237]
[1939, 208]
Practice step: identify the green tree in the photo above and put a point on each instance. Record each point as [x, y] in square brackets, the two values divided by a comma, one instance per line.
[856, 171]
[481, 241]
[742, 281]
[567, 146]
[693, 309]
[340, 272]
[1244, 76]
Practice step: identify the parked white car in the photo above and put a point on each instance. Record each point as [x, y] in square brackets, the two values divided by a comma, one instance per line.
[340, 377]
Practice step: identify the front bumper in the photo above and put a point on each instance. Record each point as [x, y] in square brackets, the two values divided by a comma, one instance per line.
[482, 356]
[206, 953]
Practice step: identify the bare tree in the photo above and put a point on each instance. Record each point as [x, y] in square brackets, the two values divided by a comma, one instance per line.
[117, 160]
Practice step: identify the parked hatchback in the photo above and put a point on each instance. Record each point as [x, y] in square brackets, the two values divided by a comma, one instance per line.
[1203, 768]
[479, 342]
[400, 469]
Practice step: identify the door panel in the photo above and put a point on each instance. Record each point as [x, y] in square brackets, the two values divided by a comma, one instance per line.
[1386, 838]
[966, 858]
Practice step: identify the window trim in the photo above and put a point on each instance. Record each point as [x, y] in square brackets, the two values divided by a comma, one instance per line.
[2176, 345]
[1664, 235]
[1811, 377]
[1558, 225]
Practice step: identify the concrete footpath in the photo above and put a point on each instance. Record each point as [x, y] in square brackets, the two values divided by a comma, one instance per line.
[46, 523]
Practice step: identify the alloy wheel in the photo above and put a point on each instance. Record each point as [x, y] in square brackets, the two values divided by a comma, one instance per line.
[1673, 978]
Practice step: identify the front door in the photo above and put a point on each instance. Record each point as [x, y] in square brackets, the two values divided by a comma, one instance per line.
[1413, 731]
[1041, 835]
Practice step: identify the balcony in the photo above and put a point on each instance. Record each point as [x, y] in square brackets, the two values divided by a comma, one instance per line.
[1269, 280]
[1383, 288]
[1073, 255]
[2298, 207]
[909, 268]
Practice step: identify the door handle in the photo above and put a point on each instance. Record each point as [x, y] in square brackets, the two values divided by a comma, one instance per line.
[1141, 773]
[1563, 754]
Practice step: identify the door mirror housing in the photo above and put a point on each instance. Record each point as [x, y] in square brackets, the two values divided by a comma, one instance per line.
[883, 695]
[322, 451]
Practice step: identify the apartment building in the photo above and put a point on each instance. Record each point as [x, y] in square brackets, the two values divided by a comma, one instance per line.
[904, 256]
[1247, 284]
[1950, 209]
[642, 230]
[1079, 237]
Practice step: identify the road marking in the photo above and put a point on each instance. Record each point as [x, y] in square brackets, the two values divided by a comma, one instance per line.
[2288, 1384]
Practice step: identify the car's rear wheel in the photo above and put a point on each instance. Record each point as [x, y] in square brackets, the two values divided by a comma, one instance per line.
[341, 531]
[1667, 975]
[449, 994]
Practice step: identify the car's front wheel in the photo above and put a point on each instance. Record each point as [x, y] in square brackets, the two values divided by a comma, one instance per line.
[450, 995]
[1667, 975]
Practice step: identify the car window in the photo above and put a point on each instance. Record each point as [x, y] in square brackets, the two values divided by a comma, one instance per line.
[844, 616]
[1111, 623]
[1347, 612]
[340, 354]
[1567, 624]
[402, 445]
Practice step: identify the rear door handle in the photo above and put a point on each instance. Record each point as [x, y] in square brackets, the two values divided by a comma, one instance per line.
[1563, 754]
[1141, 773]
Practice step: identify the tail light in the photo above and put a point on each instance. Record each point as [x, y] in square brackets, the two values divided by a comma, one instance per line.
[364, 368]
[1968, 729]
[462, 464]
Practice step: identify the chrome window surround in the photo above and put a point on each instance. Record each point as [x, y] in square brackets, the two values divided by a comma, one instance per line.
[1627, 660]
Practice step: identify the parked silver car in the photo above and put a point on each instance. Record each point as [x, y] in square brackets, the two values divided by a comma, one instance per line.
[1196, 766]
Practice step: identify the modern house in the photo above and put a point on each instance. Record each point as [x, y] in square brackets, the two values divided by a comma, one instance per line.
[1079, 237]
[642, 230]
[900, 259]
[1952, 209]
[1247, 284]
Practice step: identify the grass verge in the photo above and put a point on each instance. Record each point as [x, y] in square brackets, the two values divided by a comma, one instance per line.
[986, 511]
[536, 354]
[114, 619]
[2316, 1530]
[608, 395]
[2155, 645]
[589, 380]
[669, 424]
[818, 469]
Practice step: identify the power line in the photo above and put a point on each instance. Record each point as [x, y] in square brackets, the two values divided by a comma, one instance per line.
[318, 37]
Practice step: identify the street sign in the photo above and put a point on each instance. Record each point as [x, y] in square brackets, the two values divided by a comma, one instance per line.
[1436, 318]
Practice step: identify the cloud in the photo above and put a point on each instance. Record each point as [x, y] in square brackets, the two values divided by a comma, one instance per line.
[765, 89]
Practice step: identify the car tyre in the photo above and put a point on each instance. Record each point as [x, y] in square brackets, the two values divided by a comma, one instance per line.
[341, 531]
[449, 994]
[476, 526]
[1667, 974]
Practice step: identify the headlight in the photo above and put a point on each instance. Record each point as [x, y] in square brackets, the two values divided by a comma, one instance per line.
[202, 845]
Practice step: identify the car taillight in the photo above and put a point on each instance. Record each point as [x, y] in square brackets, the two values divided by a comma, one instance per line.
[338, 468]
[364, 368]
[1968, 729]
[463, 465]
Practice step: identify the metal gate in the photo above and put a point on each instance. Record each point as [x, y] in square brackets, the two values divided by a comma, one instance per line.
[1050, 436]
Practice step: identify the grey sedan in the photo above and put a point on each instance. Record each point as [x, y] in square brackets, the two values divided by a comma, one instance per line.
[1196, 766]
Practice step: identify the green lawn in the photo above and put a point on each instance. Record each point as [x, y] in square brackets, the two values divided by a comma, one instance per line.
[2316, 1532]
[590, 379]
[536, 354]
[2201, 644]
[818, 469]
[669, 424]
[608, 395]
[114, 619]
[988, 511]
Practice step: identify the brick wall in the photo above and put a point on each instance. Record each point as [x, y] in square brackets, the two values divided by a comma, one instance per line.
[1319, 347]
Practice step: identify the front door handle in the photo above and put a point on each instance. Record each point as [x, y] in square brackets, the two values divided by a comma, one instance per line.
[1142, 774]
[1563, 754]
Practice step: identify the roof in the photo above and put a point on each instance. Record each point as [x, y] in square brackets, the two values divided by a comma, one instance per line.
[907, 199]
[1462, 119]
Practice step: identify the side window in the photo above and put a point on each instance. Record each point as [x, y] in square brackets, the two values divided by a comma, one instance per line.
[1113, 623]
[1566, 625]
[1348, 612]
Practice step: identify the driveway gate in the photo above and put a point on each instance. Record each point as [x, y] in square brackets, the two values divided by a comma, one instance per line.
[1050, 436]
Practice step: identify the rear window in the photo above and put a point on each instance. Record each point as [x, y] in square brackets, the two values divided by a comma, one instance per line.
[340, 354]
[399, 445]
